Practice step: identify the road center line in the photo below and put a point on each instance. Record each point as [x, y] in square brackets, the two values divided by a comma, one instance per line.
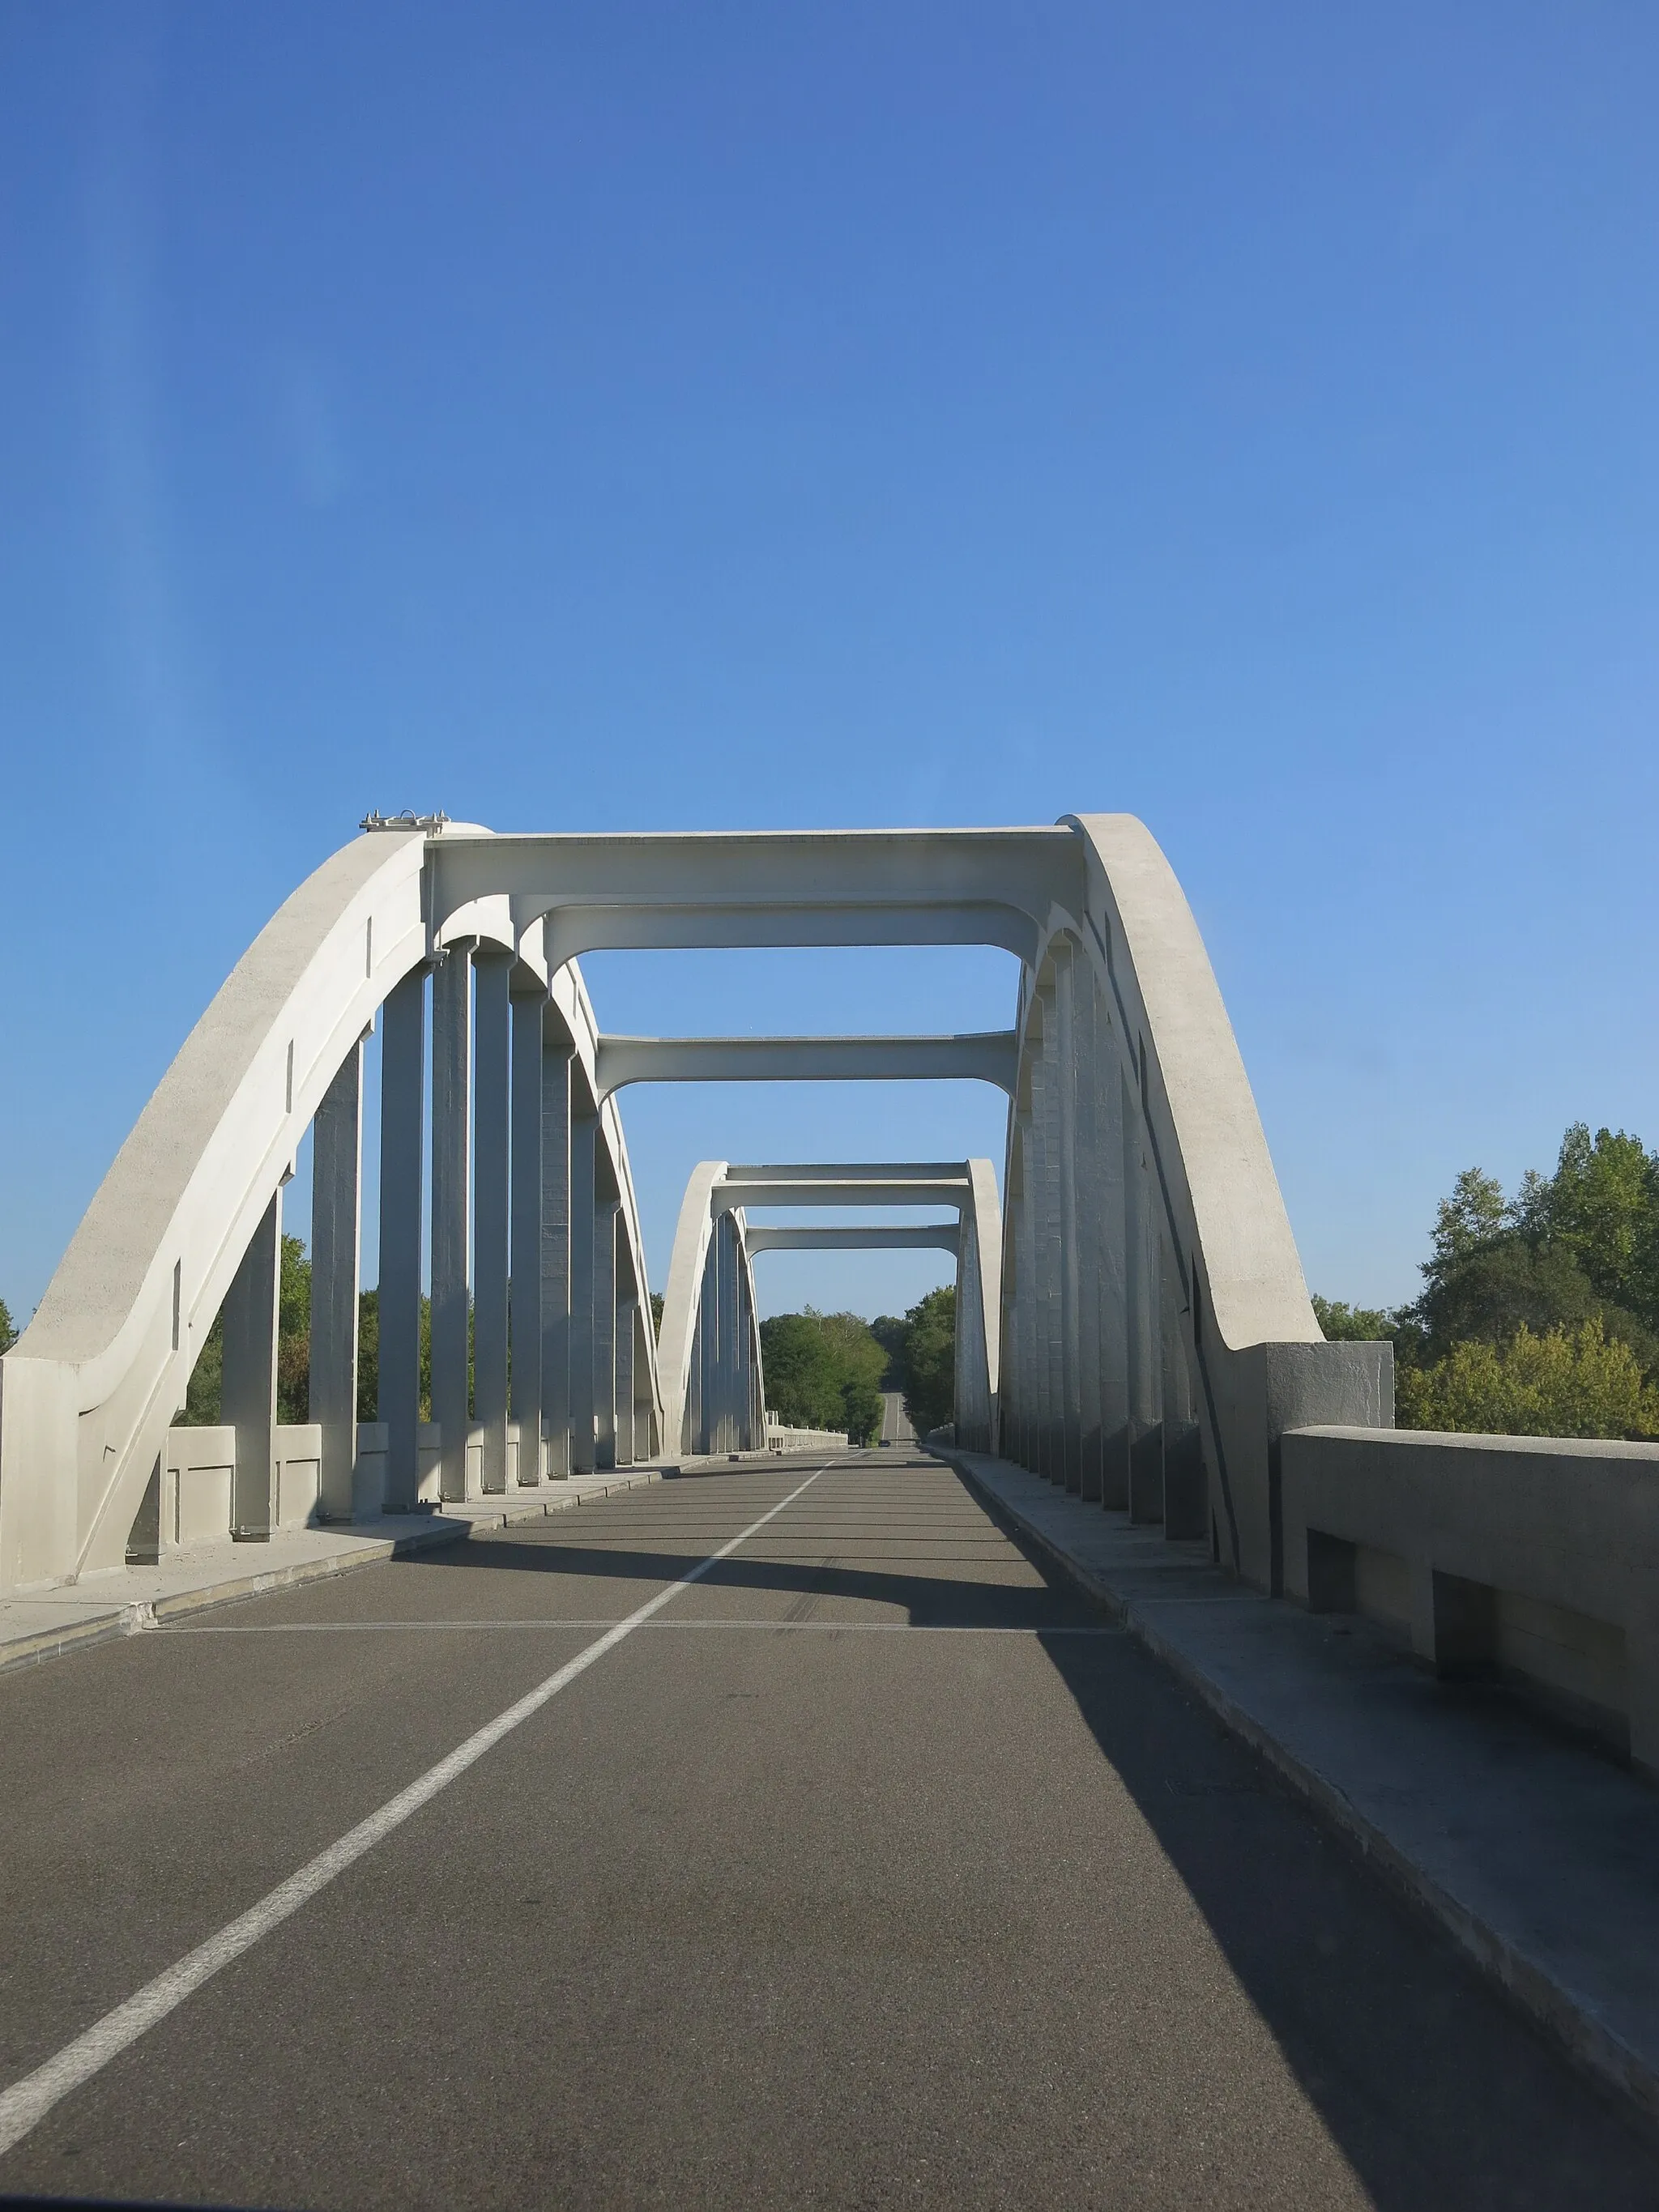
[27, 2103]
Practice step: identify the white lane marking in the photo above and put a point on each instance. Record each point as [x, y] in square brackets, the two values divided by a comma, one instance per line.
[659, 1627]
[27, 2103]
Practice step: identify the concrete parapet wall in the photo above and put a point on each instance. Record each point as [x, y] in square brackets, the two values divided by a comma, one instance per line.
[1533, 1558]
[781, 1439]
[199, 1465]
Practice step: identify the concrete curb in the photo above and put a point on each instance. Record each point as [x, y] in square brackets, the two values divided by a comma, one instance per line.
[1571, 2019]
[134, 1617]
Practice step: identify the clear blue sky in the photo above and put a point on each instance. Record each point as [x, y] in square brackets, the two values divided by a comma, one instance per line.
[656, 417]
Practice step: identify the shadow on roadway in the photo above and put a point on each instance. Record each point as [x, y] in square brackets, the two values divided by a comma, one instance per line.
[1438, 2092]
[929, 1601]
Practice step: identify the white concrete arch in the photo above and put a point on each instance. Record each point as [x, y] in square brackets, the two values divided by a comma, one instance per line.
[708, 1347]
[1157, 1335]
[89, 1389]
[720, 1193]
[87, 1392]
[1145, 1328]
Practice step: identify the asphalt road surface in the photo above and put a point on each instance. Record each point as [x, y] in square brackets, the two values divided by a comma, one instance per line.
[871, 1869]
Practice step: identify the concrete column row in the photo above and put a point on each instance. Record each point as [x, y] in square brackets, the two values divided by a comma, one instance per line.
[536, 1316]
[723, 1408]
[1097, 1389]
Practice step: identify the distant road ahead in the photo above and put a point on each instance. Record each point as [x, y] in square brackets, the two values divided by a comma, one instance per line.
[896, 1427]
[869, 1870]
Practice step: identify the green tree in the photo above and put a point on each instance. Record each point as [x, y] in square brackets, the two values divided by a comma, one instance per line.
[369, 1355]
[294, 1333]
[204, 1393]
[1576, 1383]
[1471, 1220]
[930, 1359]
[888, 1329]
[823, 1371]
[8, 1333]
[1539, 1315]
[1569, 1248]
[1603, 1206]
[861, 1361]
[799, 1380]
[1345, 1324]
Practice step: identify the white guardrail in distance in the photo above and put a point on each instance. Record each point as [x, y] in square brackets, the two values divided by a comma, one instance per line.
[779, 1438]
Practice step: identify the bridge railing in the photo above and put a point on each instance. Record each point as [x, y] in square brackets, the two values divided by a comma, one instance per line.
[781, 1437]
[1531, 1558]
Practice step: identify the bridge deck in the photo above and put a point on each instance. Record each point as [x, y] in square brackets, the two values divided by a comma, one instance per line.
[872, 1870]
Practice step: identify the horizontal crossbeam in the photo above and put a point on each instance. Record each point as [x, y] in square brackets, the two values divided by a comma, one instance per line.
[983, 1057]
[917, 1236]
[980, 886]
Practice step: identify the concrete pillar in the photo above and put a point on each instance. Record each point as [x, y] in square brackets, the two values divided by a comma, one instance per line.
[403, 1167]
[248, 1397]
[556, 1250]
[337, 1155]
[1051, 1446]
[492, 1047]
[737, 1348]
[1023, 1240]
[1037, 1372]
[1144, 1296]
[1070, 1269]
[605, 1213]
[1112, 1107]
[584, 1139]
[708, 1347]
[744, 1329]
[965, 1406]
[627, 1320]
[452, 1149]
[646, 1443]
[726, 1437]
[1054, 1247]
[689, 1440]
[524, 1280]
[713, 1340]
[1089, 1228]
[743, 1395]
[1186, 1486]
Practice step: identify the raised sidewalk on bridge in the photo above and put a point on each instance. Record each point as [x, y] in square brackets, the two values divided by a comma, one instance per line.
[48, 1624]
[1538, 1853]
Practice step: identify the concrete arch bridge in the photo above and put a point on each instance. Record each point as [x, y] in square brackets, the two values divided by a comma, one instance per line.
[963, 1827]
[1135, 1324]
